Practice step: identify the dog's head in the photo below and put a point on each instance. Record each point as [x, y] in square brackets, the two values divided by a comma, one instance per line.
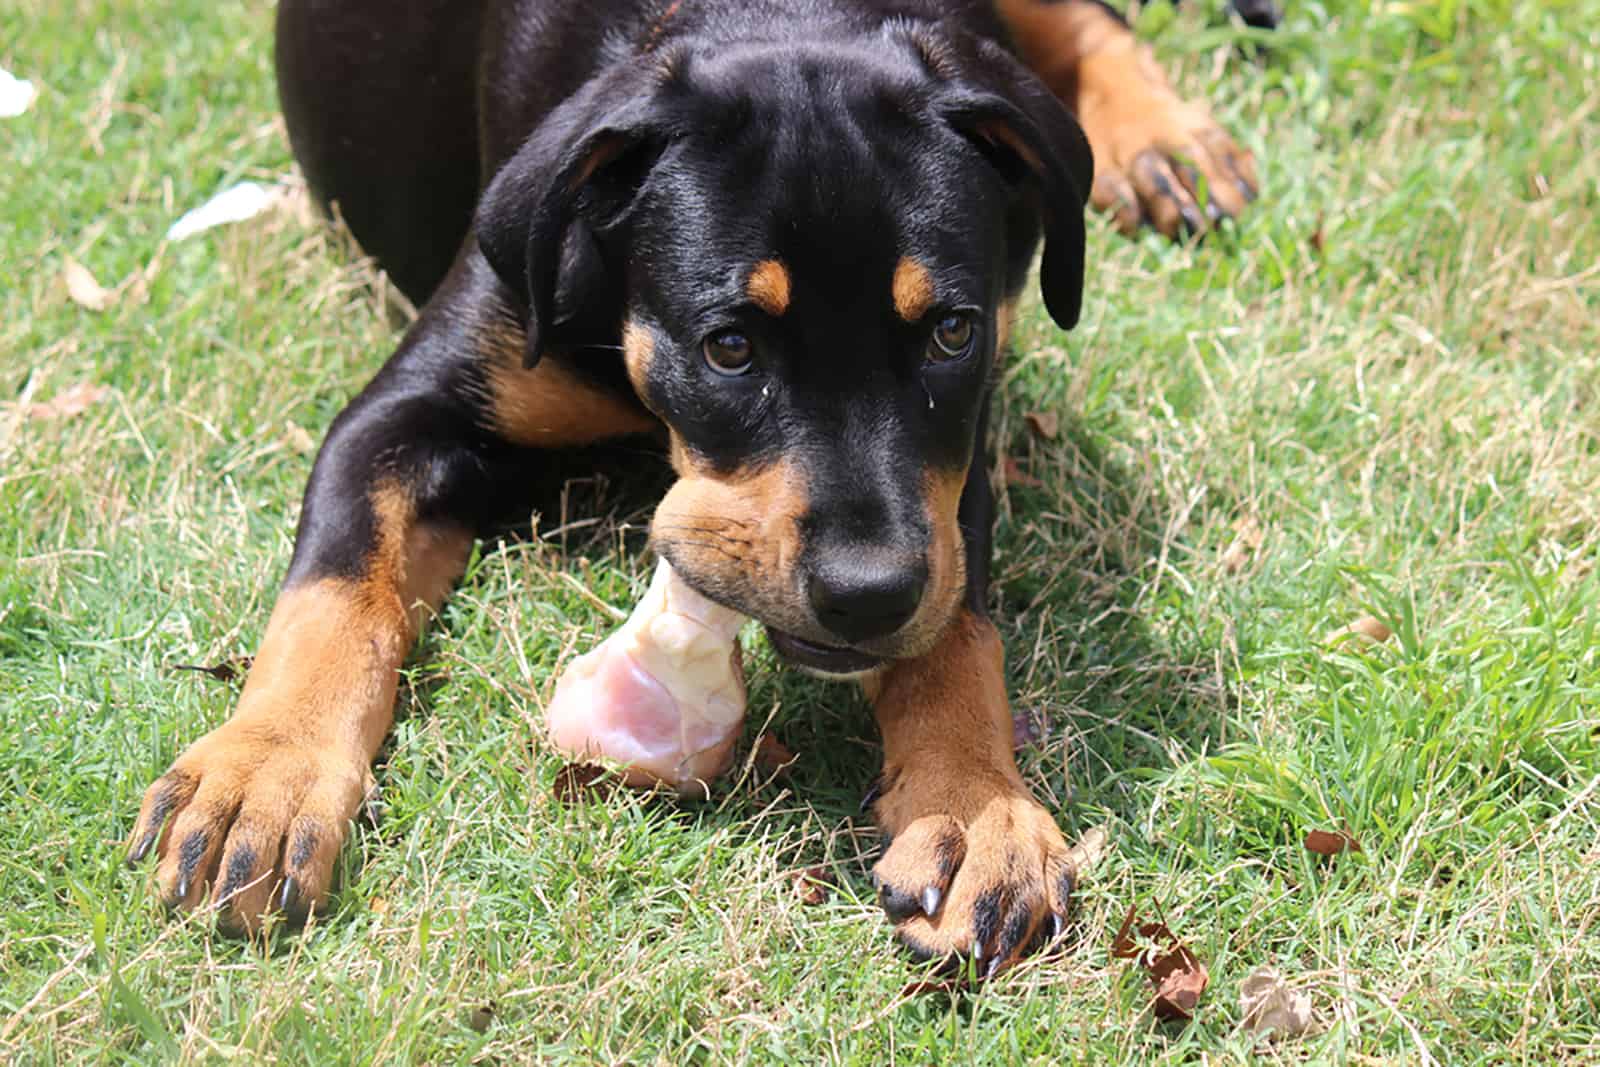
[815, 246]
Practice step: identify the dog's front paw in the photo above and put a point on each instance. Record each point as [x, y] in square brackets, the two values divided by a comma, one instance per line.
[1163, 160]
[250, 818]
[992, 886]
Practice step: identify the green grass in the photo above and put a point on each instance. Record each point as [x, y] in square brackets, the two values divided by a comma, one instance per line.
[1391, 372]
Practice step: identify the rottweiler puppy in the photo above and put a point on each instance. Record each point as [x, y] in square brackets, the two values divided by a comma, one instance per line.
[783, 240]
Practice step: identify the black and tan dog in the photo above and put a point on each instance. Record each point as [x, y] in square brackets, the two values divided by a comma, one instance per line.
[783, 238]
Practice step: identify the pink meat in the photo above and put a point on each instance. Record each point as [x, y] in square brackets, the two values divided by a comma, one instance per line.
[663, 696]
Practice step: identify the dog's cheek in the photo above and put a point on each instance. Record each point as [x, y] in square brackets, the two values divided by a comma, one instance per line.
[947, 558]
[736, 535]
[1004, 319]
[638, 353]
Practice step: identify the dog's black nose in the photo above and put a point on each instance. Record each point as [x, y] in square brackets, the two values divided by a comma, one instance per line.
[860, 596]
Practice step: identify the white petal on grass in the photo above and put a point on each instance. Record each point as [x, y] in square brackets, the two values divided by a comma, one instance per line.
[236, 203]
[16, 95]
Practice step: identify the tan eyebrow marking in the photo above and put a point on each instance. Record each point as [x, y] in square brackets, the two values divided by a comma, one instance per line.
[913, 289]
[769, 287]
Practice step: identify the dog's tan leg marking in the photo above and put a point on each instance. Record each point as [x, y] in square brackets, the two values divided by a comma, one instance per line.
[550, 406]
[1151, 147]
[256, 811]
[974, 865]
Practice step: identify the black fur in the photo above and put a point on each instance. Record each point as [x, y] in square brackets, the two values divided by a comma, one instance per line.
[564, 167]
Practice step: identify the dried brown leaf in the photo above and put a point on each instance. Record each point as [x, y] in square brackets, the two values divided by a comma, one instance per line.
[1028, 725]
[773, 757]
[1046, 425]
[1247, 539]
[1015, 475]
[1331, 842]
[378, 906]
[74, 400]
[1176, 972]
[297, 438]
[577, 783]
[83, 289]
[1368, 627]
[813, 885]
[1268, 1003]
[1122, 946]
[1182, 978]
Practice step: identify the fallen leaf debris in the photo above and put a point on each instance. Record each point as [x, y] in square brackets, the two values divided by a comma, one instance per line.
[773, 757]
[1045, 424]
[577, 783]
[1369, 628]
[813, 885]
[1331, 842]
[74, 400]
[1177, 973]
[1270, 1005]
[1248, 538]
[84, 289]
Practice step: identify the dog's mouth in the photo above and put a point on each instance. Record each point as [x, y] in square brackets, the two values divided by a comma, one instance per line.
[819, 658]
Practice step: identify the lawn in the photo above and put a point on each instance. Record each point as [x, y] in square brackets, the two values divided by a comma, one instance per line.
[1377, 399]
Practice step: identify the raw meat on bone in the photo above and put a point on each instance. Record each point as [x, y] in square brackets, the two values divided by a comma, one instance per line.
[663, 696]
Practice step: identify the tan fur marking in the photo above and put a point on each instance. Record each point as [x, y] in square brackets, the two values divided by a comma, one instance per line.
[913, 289]
[291, 766]
[638, 349]
[418, 561]
[336, 643]
[947, 562]
[946, 714]
[1130, 113]
[738, 535]
[1054, 38]
[1004, 320]
[550, 406]
[769, 287]
[958, 811]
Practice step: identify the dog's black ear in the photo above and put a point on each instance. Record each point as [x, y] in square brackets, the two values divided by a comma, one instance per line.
[572, 179]
[1029, 135]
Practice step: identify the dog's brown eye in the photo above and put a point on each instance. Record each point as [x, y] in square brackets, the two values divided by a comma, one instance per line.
[729, 352]
[952, 338]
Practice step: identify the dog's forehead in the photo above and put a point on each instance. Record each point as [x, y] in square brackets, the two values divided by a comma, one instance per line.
[824, 187]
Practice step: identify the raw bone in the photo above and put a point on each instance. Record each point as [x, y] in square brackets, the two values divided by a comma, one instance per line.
[663, 696]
